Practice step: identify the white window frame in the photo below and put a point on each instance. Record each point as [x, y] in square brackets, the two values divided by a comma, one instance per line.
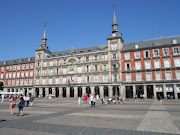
[137, 55]
[169, 63]
[127, 56]
[148, 79]
[128, 79]
[170, 75]
[139, 66]
[149, 64]
[177, 52]
[154, 53]
[137, 75]
[164, 54]
[156, 75]
[129, 66]
[178, 75]
[177, 62]
[155, 65]
[145, 54]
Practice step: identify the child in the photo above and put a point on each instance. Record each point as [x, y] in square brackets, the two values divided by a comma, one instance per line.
[102, 100]
[79, 101]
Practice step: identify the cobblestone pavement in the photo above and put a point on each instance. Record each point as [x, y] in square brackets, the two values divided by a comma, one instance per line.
[63, 116]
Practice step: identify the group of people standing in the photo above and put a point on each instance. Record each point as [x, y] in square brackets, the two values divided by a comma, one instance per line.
[92, 100]
[23, 101]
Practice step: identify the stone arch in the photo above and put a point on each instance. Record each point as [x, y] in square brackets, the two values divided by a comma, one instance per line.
[88, 91]
[57, 92]
[44, 92]
[50, 91]
[106, 92]
[79, 91]
[96, 90]
[71, 92]
[37, 92]
[114, 89]
[64, 91]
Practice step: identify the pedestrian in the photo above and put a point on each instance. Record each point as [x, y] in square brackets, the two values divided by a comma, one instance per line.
[12, 104]
[94, 101]
[91, 99]
[2, 98]
[31, 100]
[85, 100]
[21, 106]
[143, 96]
[102, 101]
[27, 98]
[79, 101]
[159, 99]
[136, 99]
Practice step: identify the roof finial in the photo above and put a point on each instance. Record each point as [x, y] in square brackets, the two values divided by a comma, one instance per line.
[114, 25]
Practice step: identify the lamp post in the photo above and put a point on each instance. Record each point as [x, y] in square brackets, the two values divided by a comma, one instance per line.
[116, 67]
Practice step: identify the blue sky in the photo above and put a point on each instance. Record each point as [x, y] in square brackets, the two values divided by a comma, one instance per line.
[81, 23]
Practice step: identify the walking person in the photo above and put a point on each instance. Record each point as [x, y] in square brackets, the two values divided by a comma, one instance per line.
[2, 98]
[159, 99]
[91, 99]
[12, 104]
[94, 101]
[85, 100]
[136, 99]
[79, 101]
[102, 101]
[21, 106]
[31, 100]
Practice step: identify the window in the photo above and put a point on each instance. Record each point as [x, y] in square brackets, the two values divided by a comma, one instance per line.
[51, 63]
[128, 66]
[10, 68]
[105, 78]
[10, 75]
[155, 53]
[7, 68]
[64, 80]
[45, 64]
[37, 81]
[7, 75]
[79, 59]
[105, 67]
[13, 82]
[14, 67]
[96, 78]
[22, 74]
[57, 71]
[23, 66]
[9, 82]
[158, 75]
[14, 75]
[31, 73]
[87, 68]
[114, 46]
[1, 76]
[168, 76]
[138, 77]
[64, 61]
[27, 66]
[178, 75]
[17, 82]
[79, 69]
[166, 62]
[175, 51]
[64, 70]
[50, 81]
[128, 77]
[87, 58]
[146, 54]
[137, 55]
[114, 56]
[147, 64]
[148, 76]
[95, 67]
[26, 82]
[157, 63]
[57, 80]
[127, 56]
[51, 72]
[18, 67]
[138, 65]
[18, 74]
[115, 77]
[95, 58]
[2, 69]
[57, 62]
[27, 73]
[30, 81]
[104, 57]
[165, 51]
[177, 62]
[87, 78]
[79, 80]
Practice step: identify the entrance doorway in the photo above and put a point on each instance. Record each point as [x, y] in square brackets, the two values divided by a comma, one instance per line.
[139, 90]
[129, 91]
[1, 86]
[106, 93]
[114, 89]
[79, 92]
[150, 93]
[64, 92]
[88, 91]
[57, 92]
[37, 92]
[44, 93]
[71, 92]
[97, 91]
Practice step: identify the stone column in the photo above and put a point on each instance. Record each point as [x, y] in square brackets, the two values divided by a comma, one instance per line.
[27, 91]
[154, 91]
[164, 90]
[101, 91]
[68, 92]
[134, 90]
[47, 91]
[145, 91]
[110, 91]
[5, 89]
[175, 92]
[60, 92]
[41, 92]
[33, 92]
[83, 91]
[92, 90]
[75, 92]
[53, 91]
[122, 91]
[10, 89]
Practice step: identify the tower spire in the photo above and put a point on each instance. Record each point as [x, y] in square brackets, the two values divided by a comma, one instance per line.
[115, 25]
[44, 36]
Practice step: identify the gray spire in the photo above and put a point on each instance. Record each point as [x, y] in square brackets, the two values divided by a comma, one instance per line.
[115, 25]
[44, 37]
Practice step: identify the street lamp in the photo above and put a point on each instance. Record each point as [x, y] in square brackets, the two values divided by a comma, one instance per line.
[116, 67]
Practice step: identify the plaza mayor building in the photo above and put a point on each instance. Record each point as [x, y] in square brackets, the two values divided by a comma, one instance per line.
[148, 67]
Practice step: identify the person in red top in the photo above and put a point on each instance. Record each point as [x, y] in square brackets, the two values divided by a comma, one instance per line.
[85, 100]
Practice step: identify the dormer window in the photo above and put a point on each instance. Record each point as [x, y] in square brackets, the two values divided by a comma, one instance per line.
[89, 50]
[97, 49]
[136, 46]
[87, 58]
[95, 57]
[174, 41]
[66, 54]
[60, 54]
[81, 51]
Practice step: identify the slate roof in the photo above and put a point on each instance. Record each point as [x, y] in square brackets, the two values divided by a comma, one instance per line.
[17, 61]
[153, 43]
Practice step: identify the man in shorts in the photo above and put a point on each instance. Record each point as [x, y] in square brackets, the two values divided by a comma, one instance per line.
[85, 100]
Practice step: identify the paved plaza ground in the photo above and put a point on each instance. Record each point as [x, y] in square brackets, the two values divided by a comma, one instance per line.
[63, 116]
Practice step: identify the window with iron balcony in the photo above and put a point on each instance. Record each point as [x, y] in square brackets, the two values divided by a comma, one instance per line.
[156, 53]
[146, 54]
[165, 51]
[176, 51]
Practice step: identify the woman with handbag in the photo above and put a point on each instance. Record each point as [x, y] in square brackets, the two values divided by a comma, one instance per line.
[12, 104]
[21, 106]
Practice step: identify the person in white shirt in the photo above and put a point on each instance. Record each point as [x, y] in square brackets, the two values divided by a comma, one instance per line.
[2, 98]
[91, 99]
